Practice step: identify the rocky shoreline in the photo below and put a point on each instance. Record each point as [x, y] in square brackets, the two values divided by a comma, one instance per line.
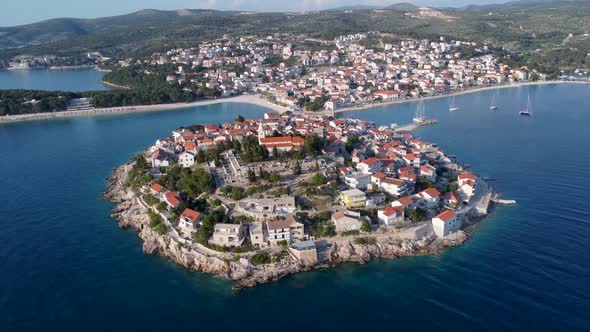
[131, 213]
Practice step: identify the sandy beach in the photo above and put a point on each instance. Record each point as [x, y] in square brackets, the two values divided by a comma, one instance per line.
[245, 99]
[248, 99]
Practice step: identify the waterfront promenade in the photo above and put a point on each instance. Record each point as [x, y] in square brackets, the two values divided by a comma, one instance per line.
[249, 99]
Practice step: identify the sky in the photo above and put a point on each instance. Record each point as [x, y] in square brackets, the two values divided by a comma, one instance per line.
[17, 12]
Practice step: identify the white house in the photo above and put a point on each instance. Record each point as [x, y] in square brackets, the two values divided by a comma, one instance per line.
[279, 230]
[267, 208]
[428, 172]
[229, 235]
[411, 160]
[446, 223]
[371, 165]
[466, 191]
[394, 187]
[160, 159]
[391, 215]
[377, 178]
[404, 202]
[466, 182]
[466, 177]
[452, 200]
[186, 159]
[428, 198]
[189, 220]
[346, 220]
[296, 228]
[258, 234]
[357, 180]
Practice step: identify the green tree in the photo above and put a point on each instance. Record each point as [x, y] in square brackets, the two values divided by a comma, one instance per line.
[318, 179]
[265, 175]
[260, 258]
[201, 157]
[239, 118]
[422, 184]
[313, 145]
[297, 168]
[352, 141]
[237, 193]
[365, 226]
[251, 175]
[274, 177]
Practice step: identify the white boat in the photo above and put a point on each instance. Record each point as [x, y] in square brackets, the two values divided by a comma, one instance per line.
[493, 106]
[419, 116]
[529, 109]
[453, 106]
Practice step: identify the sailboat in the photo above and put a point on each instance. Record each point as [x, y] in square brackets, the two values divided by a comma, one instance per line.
[453, 106]
[419, 116]
[493, 106]
[529, 109]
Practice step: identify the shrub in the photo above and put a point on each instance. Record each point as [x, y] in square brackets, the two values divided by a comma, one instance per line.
[150, 200]
[160, 229]
[260, 258]
[245, 247]
[351, 233]
[365, 226]
[274, 177]
[365, 240]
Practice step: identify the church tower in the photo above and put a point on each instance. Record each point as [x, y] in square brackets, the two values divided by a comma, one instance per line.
[261, 133]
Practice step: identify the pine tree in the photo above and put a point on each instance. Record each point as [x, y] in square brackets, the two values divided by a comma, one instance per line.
[251, 175]
[297, 168]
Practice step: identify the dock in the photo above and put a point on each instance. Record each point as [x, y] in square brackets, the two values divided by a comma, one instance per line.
[496, 199]
[503, 201]
[482, 206]
[412, 126]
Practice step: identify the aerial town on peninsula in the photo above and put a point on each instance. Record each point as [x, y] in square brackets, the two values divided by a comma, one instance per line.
[310, 74]
[272, 196]
[295, 72]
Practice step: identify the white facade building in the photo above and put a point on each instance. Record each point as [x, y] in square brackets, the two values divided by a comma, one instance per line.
[229, 235]
[445, 223]
[391, 215]
[186, 159]
[357, 180]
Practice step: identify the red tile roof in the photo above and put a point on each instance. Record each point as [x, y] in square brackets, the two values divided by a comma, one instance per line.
[157, 187]
[171, 197]
[392, 210]
[432, 192]
[405, 201]
[467, 175]
[370, 161]
[191, 214]
[446, 215]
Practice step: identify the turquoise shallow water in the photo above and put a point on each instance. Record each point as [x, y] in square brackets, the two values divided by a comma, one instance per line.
[53, 80]
[66, 266]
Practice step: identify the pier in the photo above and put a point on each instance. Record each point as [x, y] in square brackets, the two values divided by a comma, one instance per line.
[482, 206]
[412, 126]
[496, 199]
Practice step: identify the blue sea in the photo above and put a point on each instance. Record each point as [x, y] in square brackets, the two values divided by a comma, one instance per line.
[66, 266]
[53, 80]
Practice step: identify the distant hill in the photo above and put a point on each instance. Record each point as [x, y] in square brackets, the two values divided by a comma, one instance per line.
[403, 6]
[538, 27]
[354, 7]
[63, 28]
